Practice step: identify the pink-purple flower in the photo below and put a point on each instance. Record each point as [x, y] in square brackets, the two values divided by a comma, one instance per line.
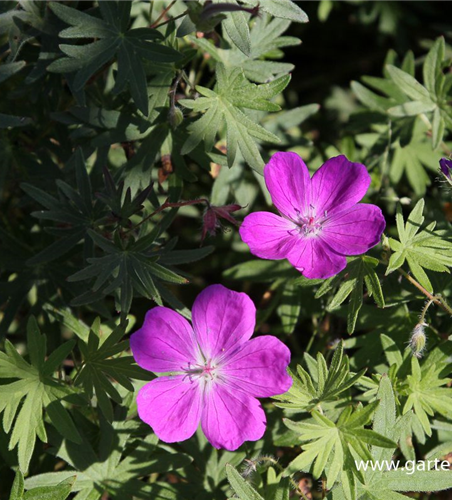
[213, 371]
[445, 166]
[320, 220]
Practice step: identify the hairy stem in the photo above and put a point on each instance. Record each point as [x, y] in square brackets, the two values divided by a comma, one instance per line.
[436, 299]
[162, 15]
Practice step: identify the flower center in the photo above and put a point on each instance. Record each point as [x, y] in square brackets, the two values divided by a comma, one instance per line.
[310, 226]
[206, 370]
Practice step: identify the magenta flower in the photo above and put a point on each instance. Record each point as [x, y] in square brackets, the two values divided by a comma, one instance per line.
[320, 222]
[216, 371]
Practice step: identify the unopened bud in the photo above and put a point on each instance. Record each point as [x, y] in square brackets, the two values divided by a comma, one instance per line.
[445, 165]
[212, 216]
[418, 340]
[445, 168]
[175, 117]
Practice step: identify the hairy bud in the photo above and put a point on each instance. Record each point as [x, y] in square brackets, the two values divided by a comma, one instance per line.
[418, 340]
[175, 117]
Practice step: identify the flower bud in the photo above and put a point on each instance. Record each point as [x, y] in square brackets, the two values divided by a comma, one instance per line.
[175, 117]
[212, 216]
[445, 168]
[418, 340]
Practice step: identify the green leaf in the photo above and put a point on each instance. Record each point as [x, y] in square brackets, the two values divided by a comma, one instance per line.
[59, 492]
[328, 442]
[34, 390]
[260, 271]
[289, 308]
[422, 249]
[7, 121]
[236, 26]
[112, 39]
[103, 361]
[9, 69]
[242, 489]
[412, 108]
[285, 9]
[359, 272]
[115, 465]
[426, 391]
[370, 99]
[408, 85]
[433, 65]
[17, 489]
[428, 480]
[313, 390]
[224, 105]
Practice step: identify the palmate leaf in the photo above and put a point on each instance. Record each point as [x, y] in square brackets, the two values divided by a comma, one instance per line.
[113, 41]
[414, 159]
[384, 484]
[404, 96]
[102, 361]
[35, 389]
[426, 249]
[360, 271]
[266, 42]
[427, 392]
[329, 447]
[223, 106]
[127, 268]
[421, 388]
[75, 208]
[310, 390]
[432, 97]
[122, 458]
[58, 492]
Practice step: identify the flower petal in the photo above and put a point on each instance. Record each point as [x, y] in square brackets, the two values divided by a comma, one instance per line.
[260, 367]
[315, 259]
[222, 319]
[231, 417]
[268, 235]
[289, 184]
[172, 406]
[338, 184]
[354, 231]
[165, 342]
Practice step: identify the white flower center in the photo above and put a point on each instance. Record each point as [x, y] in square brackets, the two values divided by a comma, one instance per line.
[206, 371]
[310, 224]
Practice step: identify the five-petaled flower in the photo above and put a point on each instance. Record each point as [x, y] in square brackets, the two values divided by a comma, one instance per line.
[321, 221]
[217, 372]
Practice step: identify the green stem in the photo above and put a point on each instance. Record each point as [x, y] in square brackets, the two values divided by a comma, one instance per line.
[435, 299]
[424, 311]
